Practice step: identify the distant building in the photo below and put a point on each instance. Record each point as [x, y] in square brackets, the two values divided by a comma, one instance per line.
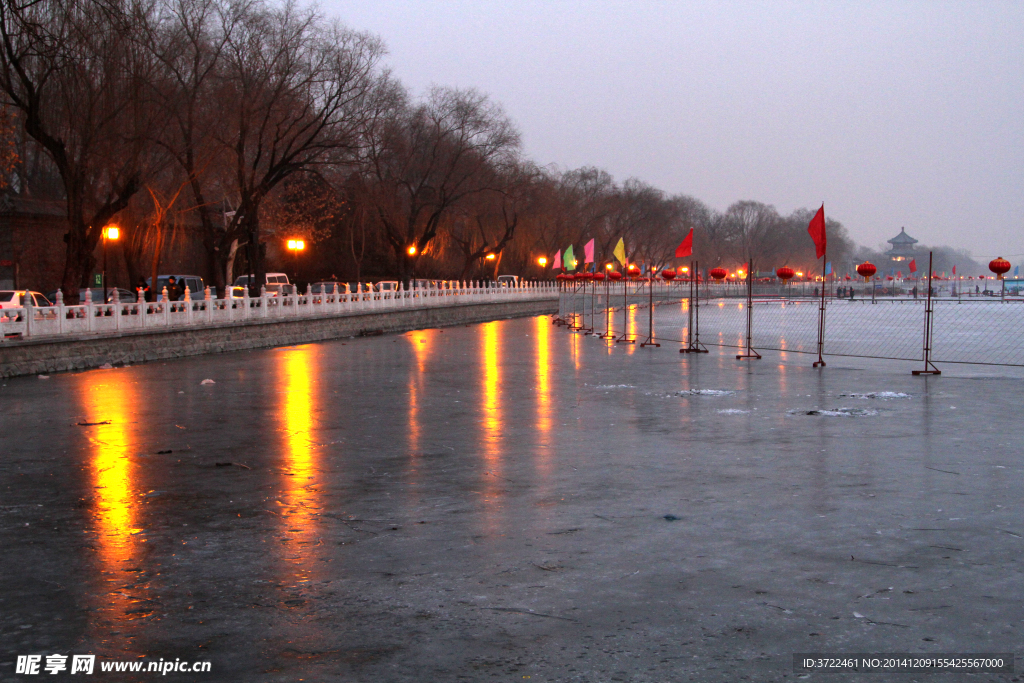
[902, 247]
[31, 243]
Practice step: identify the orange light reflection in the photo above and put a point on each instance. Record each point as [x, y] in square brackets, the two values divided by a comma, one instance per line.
[110, 400]
[298, 502]
[491, 408]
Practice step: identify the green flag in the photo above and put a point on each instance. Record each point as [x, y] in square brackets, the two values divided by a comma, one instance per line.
[620, 252]
[569, 260]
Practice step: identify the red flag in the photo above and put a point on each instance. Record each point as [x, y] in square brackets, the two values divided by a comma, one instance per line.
[816, 230]
[954, 270]
[912, 265]
[686, 248]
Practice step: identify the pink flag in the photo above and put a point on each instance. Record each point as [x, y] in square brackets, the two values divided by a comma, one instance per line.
[558, 260]
[588, 252]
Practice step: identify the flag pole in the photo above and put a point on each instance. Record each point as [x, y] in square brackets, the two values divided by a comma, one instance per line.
[820, 363]
[749, 352]
[650, 311]
[929, 316]
[624, 339]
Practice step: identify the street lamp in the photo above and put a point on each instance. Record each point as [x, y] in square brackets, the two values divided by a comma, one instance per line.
[110, 232]
[491, 257]
[542, 261]
[295, 246]
[411, 250]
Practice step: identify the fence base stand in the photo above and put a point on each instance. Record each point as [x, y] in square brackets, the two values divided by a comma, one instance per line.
[750, 353]
[693, 349]
[650, 342]
[933, 371]
[625, 340]
[818, 364]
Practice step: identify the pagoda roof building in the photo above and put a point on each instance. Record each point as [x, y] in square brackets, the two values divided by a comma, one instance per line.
[902, 246]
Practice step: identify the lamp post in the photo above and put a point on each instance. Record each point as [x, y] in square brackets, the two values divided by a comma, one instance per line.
[110, 232]
[295, 246]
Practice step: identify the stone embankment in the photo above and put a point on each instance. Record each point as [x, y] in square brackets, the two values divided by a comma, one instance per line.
[90, 350]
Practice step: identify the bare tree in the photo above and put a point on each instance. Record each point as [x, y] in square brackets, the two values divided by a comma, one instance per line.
[300, 91]
[74, 71]
[424, 159]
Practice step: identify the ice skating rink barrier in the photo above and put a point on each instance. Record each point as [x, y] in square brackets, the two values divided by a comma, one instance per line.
[982, 330]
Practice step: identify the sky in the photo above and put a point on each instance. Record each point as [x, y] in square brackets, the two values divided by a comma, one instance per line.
[892, 114]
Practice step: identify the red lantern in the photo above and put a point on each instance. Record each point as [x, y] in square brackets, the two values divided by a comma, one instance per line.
[634, 272]
[999, 266]
[597, 276]
[784, 273]
[866, 270]
[615, 275]
[668, 274]
[718, 273]
[888, 277]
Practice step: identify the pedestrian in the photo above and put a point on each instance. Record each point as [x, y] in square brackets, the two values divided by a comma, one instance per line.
[815, 292]
[174, 292]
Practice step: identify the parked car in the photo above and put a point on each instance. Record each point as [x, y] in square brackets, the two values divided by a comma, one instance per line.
[123, 295]
[508, 280]
[276, 283]
[327, 287]
[13, 298]
[386, 286]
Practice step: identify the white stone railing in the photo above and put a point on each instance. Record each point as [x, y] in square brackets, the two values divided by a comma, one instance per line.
[116, 317]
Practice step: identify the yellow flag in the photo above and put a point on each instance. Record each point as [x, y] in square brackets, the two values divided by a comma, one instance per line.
[620, 252]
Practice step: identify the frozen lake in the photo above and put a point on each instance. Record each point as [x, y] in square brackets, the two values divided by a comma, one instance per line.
[509, 500]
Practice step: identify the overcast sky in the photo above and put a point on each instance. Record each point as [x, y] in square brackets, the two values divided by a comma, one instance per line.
[893, 114]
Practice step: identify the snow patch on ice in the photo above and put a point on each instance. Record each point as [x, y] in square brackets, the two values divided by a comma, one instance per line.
[837, 412]
[606, 387]
[705, 392]
[733, 411]
[884, 395]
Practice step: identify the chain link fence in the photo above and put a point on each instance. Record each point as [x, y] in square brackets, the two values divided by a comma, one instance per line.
[962, 330]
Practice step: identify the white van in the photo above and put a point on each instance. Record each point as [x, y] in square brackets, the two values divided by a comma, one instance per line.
[277, 283]
[508, 280]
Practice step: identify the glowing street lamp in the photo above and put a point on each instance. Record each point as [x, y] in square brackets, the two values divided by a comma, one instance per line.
[295, 246]
[411, 250]
[111, 232]
[542, 261]
[608, 266]
[491, 257]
